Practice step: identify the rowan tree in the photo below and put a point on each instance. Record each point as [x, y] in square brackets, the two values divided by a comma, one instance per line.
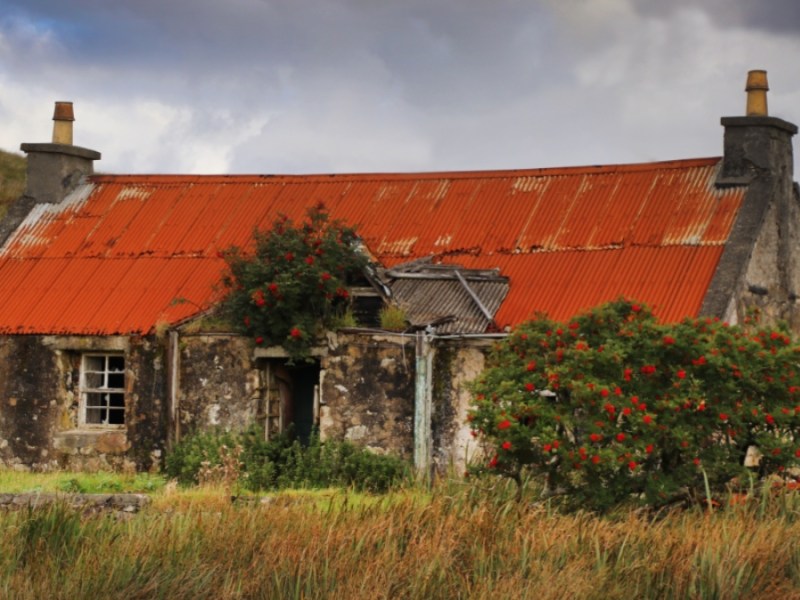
[292, 284]
[613, 405]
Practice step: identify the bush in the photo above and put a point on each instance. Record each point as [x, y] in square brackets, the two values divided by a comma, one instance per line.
[283, 463]
[295, 283]
[613, 405]
[185, 461]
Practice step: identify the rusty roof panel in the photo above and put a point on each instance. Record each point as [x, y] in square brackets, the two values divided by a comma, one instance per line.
[85, 285]
[44, 222]
[114, 256]
[24, 282]
[671, 279]
[156, 207]
[725, 210]
[246, 206]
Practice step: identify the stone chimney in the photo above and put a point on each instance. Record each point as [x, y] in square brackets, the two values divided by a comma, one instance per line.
[756, 144]
[760, 265]
[55, 169]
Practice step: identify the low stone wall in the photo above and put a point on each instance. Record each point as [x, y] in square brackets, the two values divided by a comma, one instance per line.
[88, 503]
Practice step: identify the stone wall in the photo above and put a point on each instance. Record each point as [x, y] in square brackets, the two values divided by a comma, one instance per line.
[367, 396]
[39, 405]
[32, 400]
[147, 402]
[218, 383]
[368, 392]
[119, 504]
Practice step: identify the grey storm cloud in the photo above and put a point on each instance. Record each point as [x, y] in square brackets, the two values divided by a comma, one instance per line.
[347, 85]
[780, 16]
[244, 39]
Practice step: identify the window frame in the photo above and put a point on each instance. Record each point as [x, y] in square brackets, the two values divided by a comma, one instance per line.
[106, 391]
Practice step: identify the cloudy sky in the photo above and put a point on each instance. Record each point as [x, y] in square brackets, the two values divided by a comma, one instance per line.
[304, 86]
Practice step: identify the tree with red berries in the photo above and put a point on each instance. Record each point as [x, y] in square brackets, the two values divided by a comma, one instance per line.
[613, 406]
[292, 285]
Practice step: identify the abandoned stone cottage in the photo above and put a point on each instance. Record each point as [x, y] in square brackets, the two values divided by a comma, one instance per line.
[100, 367]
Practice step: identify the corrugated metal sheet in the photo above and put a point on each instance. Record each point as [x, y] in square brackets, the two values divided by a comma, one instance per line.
[672, 279]
[430, 294]
[125, 252]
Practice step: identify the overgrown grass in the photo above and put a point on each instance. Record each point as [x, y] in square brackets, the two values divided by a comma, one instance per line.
[88, 483]
[459, 541]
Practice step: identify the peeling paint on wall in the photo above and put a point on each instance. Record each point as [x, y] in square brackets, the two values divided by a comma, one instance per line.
[458, 364]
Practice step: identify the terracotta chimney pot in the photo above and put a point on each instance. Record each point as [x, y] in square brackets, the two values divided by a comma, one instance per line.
[757, 93]
[63, 117]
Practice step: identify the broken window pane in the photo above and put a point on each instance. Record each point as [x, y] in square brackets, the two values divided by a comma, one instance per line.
[103, 389]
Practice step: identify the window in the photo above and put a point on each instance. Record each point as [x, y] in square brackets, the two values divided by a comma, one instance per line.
[103, 389]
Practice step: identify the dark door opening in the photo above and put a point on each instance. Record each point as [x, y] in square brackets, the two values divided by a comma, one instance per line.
[305, 380]
[290, 398]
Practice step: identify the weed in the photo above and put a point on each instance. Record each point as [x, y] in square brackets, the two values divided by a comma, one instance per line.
[283, 463]
[72, 486]
[393, 318]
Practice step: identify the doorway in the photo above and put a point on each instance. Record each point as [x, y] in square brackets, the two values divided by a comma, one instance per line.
[290, 398]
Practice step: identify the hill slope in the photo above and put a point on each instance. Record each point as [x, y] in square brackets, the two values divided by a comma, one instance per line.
[12, 178]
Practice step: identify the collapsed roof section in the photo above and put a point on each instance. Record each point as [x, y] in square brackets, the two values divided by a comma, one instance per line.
[449, 297]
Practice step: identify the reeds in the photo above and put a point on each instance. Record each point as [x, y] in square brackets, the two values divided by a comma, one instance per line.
[451, 543]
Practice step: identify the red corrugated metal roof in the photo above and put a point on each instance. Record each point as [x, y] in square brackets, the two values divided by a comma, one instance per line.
[128, 251]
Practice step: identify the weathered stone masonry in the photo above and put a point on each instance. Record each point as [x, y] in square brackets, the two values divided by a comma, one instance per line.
[368, 392]
[218, 383]
[39, 397]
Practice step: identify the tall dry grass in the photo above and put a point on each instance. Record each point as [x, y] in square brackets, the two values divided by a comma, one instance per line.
[449, 544]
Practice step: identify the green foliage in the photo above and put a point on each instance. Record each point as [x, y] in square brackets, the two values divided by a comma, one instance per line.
[613, 405]
[284, 463]
[102, 482]
[393, 318]
[345, 320]
[295, 283]
[72, 486]
[186, 459]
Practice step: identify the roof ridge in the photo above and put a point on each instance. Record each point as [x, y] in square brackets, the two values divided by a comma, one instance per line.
[482, 174]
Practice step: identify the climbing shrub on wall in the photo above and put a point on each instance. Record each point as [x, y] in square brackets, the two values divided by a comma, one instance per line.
[613, 405]
[294, 284]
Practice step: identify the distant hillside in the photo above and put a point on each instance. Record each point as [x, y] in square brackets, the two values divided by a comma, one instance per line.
[12, 178]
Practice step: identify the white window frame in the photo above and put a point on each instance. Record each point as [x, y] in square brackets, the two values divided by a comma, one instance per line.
[102, 390]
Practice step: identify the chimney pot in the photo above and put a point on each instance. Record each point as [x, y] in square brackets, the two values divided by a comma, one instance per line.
[757, 93]
[63, 116]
